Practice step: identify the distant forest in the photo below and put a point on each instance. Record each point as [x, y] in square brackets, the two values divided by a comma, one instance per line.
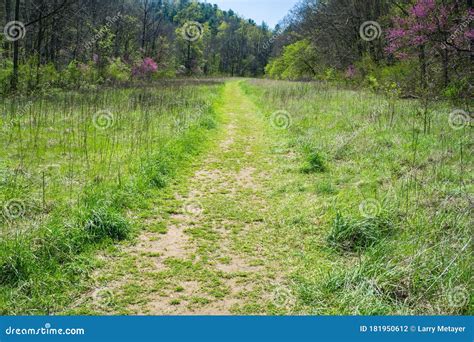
[401, 47]
[417, 48]
[67, 42]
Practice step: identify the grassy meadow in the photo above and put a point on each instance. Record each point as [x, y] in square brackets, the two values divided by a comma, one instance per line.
[313, 199]
[186, 158]
[76, 169]
[393, 189]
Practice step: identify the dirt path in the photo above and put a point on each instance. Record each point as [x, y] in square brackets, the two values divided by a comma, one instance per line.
[213, 256]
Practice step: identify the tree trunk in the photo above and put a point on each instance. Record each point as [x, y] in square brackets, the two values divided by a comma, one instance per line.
[145, 19]
[8, 13]
[16, 52]
[188, 58]
[445, 54]
[54, 39]
[39, 44]
[469, 5]
[422, 58]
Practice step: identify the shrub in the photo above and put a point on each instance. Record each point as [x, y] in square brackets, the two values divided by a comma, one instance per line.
[72, 74]
[457, 90]
[145, 69]
[297, 62]
[118, 71]
[314, 163]
[49, 75]
[373, 83]
[90, 74]
[329, 74]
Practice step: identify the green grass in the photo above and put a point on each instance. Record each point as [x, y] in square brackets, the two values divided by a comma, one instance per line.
[346, 209]
[394, 198]
[350, 235]
[80, 185]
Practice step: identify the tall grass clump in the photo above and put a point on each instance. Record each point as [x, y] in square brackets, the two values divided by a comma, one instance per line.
[314, 161]
[357, 235]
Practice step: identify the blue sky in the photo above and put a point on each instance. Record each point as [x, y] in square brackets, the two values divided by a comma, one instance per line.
[270, 11]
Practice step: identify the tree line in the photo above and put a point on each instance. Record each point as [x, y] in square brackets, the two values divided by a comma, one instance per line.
[412, 46]
[60, 42]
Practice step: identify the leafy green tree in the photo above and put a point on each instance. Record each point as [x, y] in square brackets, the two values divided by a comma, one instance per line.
[299, 60]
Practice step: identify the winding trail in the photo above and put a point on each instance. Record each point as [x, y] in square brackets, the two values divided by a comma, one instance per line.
[214, 255]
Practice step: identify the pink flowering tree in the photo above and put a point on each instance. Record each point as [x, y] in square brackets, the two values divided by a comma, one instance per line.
[145, 69]
[431, 30]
